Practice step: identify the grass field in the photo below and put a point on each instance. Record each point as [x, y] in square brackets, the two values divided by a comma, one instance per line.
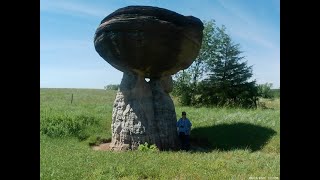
[231, 143]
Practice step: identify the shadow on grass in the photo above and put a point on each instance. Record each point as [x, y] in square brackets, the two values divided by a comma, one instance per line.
[227, 137]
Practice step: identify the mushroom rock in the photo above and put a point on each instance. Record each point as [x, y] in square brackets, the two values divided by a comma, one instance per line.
[167, 83]
[146, 42]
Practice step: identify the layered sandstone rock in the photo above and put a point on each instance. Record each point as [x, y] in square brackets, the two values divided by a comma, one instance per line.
[146, 42]
[151, 41]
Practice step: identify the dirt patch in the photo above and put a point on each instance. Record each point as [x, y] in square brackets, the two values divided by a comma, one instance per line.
[197, 145]
[102, 147]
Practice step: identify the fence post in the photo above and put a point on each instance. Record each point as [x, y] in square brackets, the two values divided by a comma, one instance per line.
[71, 98]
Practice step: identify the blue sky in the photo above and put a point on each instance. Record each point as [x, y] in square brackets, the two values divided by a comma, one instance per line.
[68, 58]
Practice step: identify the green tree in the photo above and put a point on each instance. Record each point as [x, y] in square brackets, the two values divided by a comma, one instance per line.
[186, 82]
[217, 76]
[228, 76]
[183, 87]
[265, 90]
[111, 87]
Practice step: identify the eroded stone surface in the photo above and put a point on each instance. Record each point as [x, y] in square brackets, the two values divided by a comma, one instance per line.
[146, 42]
[166, 83]
[142, 112]
[164, 115]
[132, 116]
[152, 42]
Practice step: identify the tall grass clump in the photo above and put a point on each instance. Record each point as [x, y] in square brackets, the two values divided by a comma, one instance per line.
[63, 125]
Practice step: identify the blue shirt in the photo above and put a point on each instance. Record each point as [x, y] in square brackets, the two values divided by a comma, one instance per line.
[184, 126]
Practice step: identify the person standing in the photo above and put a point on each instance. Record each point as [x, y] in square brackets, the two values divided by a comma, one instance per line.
[184, 127]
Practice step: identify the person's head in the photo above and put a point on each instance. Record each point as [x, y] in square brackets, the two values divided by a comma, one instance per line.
[184, 114]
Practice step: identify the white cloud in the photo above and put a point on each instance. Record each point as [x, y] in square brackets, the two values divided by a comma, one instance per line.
[246, 27]
[253, 37]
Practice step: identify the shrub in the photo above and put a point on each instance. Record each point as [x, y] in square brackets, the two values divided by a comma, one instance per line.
[148, 148]
[64, 125]
[112, 87]
[265, 91]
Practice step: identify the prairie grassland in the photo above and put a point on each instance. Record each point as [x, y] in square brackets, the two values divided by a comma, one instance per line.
[231, 143]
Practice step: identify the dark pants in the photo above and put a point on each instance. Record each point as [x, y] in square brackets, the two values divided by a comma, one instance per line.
[184, 140]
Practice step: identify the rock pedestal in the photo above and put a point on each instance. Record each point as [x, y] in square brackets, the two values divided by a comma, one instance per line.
[146, 42]
[142, 112]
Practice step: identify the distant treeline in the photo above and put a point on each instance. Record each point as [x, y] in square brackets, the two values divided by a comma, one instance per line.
[265, 90]
[112, 87]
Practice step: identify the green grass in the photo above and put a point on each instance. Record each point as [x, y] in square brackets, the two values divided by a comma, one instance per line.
[231, 143]
[88, 115]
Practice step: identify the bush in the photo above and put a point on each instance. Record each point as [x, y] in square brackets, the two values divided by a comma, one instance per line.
[146, 148]
[183, 89]
[112, 87]
[64, 125]
[265, 91]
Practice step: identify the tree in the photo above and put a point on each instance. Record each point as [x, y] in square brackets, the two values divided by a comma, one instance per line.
[228, 75]
[111, 87]
[218, 76]
[186, 82]
[265, 90]
[183, 88]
